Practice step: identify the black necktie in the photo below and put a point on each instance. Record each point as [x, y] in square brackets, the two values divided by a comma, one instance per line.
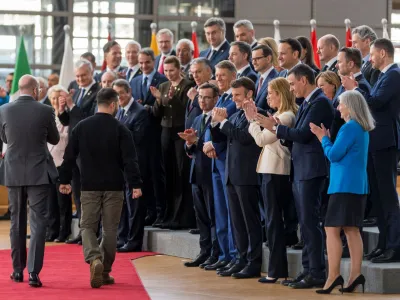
[325, 68]
[144, 88]
[203, 122]
[81, 95]
[128, 75]
[212, 54]
[238, 117]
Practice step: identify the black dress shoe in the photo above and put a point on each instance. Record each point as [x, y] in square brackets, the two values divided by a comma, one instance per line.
[194, 231]
[120, 244]
[216, 265]
[236, 268]
[201, 258]
[247, 272]
[388, 256]
[127, 249]
[34, 280]
[6, 216]
[228, 266]
[374, 253]
[209, 262]
[308, 282]
[299, 245]
[50, 239]
[298, 278]
[60, 239]
[149, 221]
[268, 280]
[369, 222]
[17, 277]
[291, 239]
[75, 240]
[157, 223]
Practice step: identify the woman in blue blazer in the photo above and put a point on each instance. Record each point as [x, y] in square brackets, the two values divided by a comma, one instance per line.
[348, 187]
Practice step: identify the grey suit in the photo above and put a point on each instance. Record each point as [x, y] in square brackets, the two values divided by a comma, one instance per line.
[27, 126]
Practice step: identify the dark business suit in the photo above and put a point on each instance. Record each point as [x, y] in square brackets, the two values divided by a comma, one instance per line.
[155, 201]
[220, 55]
[249, 73]
[243, 186]
[370, 73]
[130, 76]
[202, 190]
[46, 101]
[131, 226]
[262, 92]
[85, 108]
[192, 111]
[97, 77]
[309, 173]
[384, 103]
[158, 57]
[331, 68]
[223, 223]
[179, 204]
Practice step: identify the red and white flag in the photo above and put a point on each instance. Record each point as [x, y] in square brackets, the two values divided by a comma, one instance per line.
[196, 52]
[349, 43]
[313, 38]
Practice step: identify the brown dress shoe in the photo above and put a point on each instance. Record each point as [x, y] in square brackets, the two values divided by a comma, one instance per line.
[108, 279]
[96, 273]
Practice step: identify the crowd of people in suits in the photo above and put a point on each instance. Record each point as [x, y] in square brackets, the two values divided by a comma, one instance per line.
[251, 143]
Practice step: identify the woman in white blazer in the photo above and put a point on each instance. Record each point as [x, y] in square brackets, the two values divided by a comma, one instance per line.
[60, 205]
[274, 164]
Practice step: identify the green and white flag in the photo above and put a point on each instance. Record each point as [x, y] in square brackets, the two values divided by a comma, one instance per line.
[21, 68]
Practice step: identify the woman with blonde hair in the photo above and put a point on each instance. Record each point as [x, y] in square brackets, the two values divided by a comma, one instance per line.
[348, 188]
[270, 42]
[274, 164]
[329, 83]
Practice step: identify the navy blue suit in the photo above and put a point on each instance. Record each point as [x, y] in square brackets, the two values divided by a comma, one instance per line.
[261, 95]
[249, 73]
[222, 215]
[131, 226]
[331, 68]
[202, 190]
[158, 57]
[384, 103]
[220, 55]
[243, 185]
[155, 201]
[309, 172]
[192, 111]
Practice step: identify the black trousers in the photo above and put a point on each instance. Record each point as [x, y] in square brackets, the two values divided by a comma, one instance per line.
[179, 211]
[246, 222]
[382, 174]
[53, 213]
[274, 191]
[203, 199]
[307, 196]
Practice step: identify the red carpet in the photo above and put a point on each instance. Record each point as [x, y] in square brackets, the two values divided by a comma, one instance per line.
[65, 275]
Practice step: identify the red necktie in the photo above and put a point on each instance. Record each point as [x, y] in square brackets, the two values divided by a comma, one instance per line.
[161, 65]
[260, 83]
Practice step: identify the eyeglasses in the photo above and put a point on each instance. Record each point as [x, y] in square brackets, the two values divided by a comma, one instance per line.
[257, 58]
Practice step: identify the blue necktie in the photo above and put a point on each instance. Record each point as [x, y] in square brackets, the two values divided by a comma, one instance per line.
[128, 75]
[222, 98]
[81, 95]
[144, 88]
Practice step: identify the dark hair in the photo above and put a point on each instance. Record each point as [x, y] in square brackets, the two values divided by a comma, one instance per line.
[267, 51]
[245, 82]
[306, 44]
[122, 83]
[293, 43]
[106, 96]
[12, 74]
[352, 54]
[173, 60]
[208, 85]
[149, 52]
[303, 70]
[89, 56]
[243, 47]
[226, 64]
[384, 44]
[107, 47]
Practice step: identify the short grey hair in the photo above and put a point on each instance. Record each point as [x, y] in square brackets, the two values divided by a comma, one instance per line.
[365, 32]
[122, 83]
[185, 41]
[42, 80]
[330, 39]
[133, 42]
[202, 60]
[84, 62]
[358, 108]
[227, 65]
[56, 88]
[166, 31]
[244, 23]
[215, 21]
[112, 73]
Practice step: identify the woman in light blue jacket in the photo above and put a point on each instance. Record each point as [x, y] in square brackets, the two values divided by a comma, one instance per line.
[348, 187]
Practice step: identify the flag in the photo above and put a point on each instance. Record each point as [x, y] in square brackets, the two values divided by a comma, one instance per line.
[21, 68]
[153, 44]
[104, 66]
[277, 33]
[196, 52]
[349, 42]
[313, 39]
[67, 66]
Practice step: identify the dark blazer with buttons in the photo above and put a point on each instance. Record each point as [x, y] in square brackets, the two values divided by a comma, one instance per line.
[249, 73]
[222, 54]
[200, 169]
[261, 96]
[331, 68]
[370, 73]
[242, 152]
[307, 155]
[172, 111]
[136, 86]
[338, 121]
[384, 102]
[87, 108]
[158, 57]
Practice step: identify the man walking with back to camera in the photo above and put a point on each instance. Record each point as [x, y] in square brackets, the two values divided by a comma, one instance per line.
[26, 127]
[108, 157]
